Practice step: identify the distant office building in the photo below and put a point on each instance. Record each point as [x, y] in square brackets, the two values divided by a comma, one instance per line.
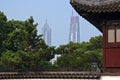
[46, 32]
[74, 33]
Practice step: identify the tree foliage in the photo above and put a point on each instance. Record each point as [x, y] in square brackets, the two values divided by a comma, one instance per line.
[21, 47]
[80, 55]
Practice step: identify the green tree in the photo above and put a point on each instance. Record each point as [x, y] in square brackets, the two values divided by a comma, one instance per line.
[3, 22]
[95, 42]
[21, 47]
[10, 59]
[80, 55]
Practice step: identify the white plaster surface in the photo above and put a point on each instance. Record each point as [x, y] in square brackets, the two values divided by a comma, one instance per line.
[110, 78]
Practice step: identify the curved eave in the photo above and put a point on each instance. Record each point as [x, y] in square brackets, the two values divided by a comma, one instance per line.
[95, 14]
[97, 8]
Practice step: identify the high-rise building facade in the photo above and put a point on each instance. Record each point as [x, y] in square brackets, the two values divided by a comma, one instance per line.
[46, 32]
[74, 33]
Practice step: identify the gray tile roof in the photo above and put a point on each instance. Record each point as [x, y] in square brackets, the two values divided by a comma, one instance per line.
[97, 6]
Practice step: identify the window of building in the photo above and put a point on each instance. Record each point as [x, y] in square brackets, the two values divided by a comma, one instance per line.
[118, 35]
[111, 35]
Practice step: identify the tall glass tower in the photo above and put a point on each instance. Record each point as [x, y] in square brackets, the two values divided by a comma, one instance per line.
[46, 32]
[74, 34]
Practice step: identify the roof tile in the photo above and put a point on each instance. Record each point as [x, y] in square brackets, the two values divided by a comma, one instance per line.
[97, 6]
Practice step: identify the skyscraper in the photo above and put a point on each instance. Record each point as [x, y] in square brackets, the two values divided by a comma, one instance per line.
[74, 33]
[46, 32]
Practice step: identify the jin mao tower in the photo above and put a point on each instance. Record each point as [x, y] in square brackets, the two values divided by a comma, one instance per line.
[46, 32]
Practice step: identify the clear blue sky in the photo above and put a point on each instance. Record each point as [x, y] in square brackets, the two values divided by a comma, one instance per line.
[57, 12]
